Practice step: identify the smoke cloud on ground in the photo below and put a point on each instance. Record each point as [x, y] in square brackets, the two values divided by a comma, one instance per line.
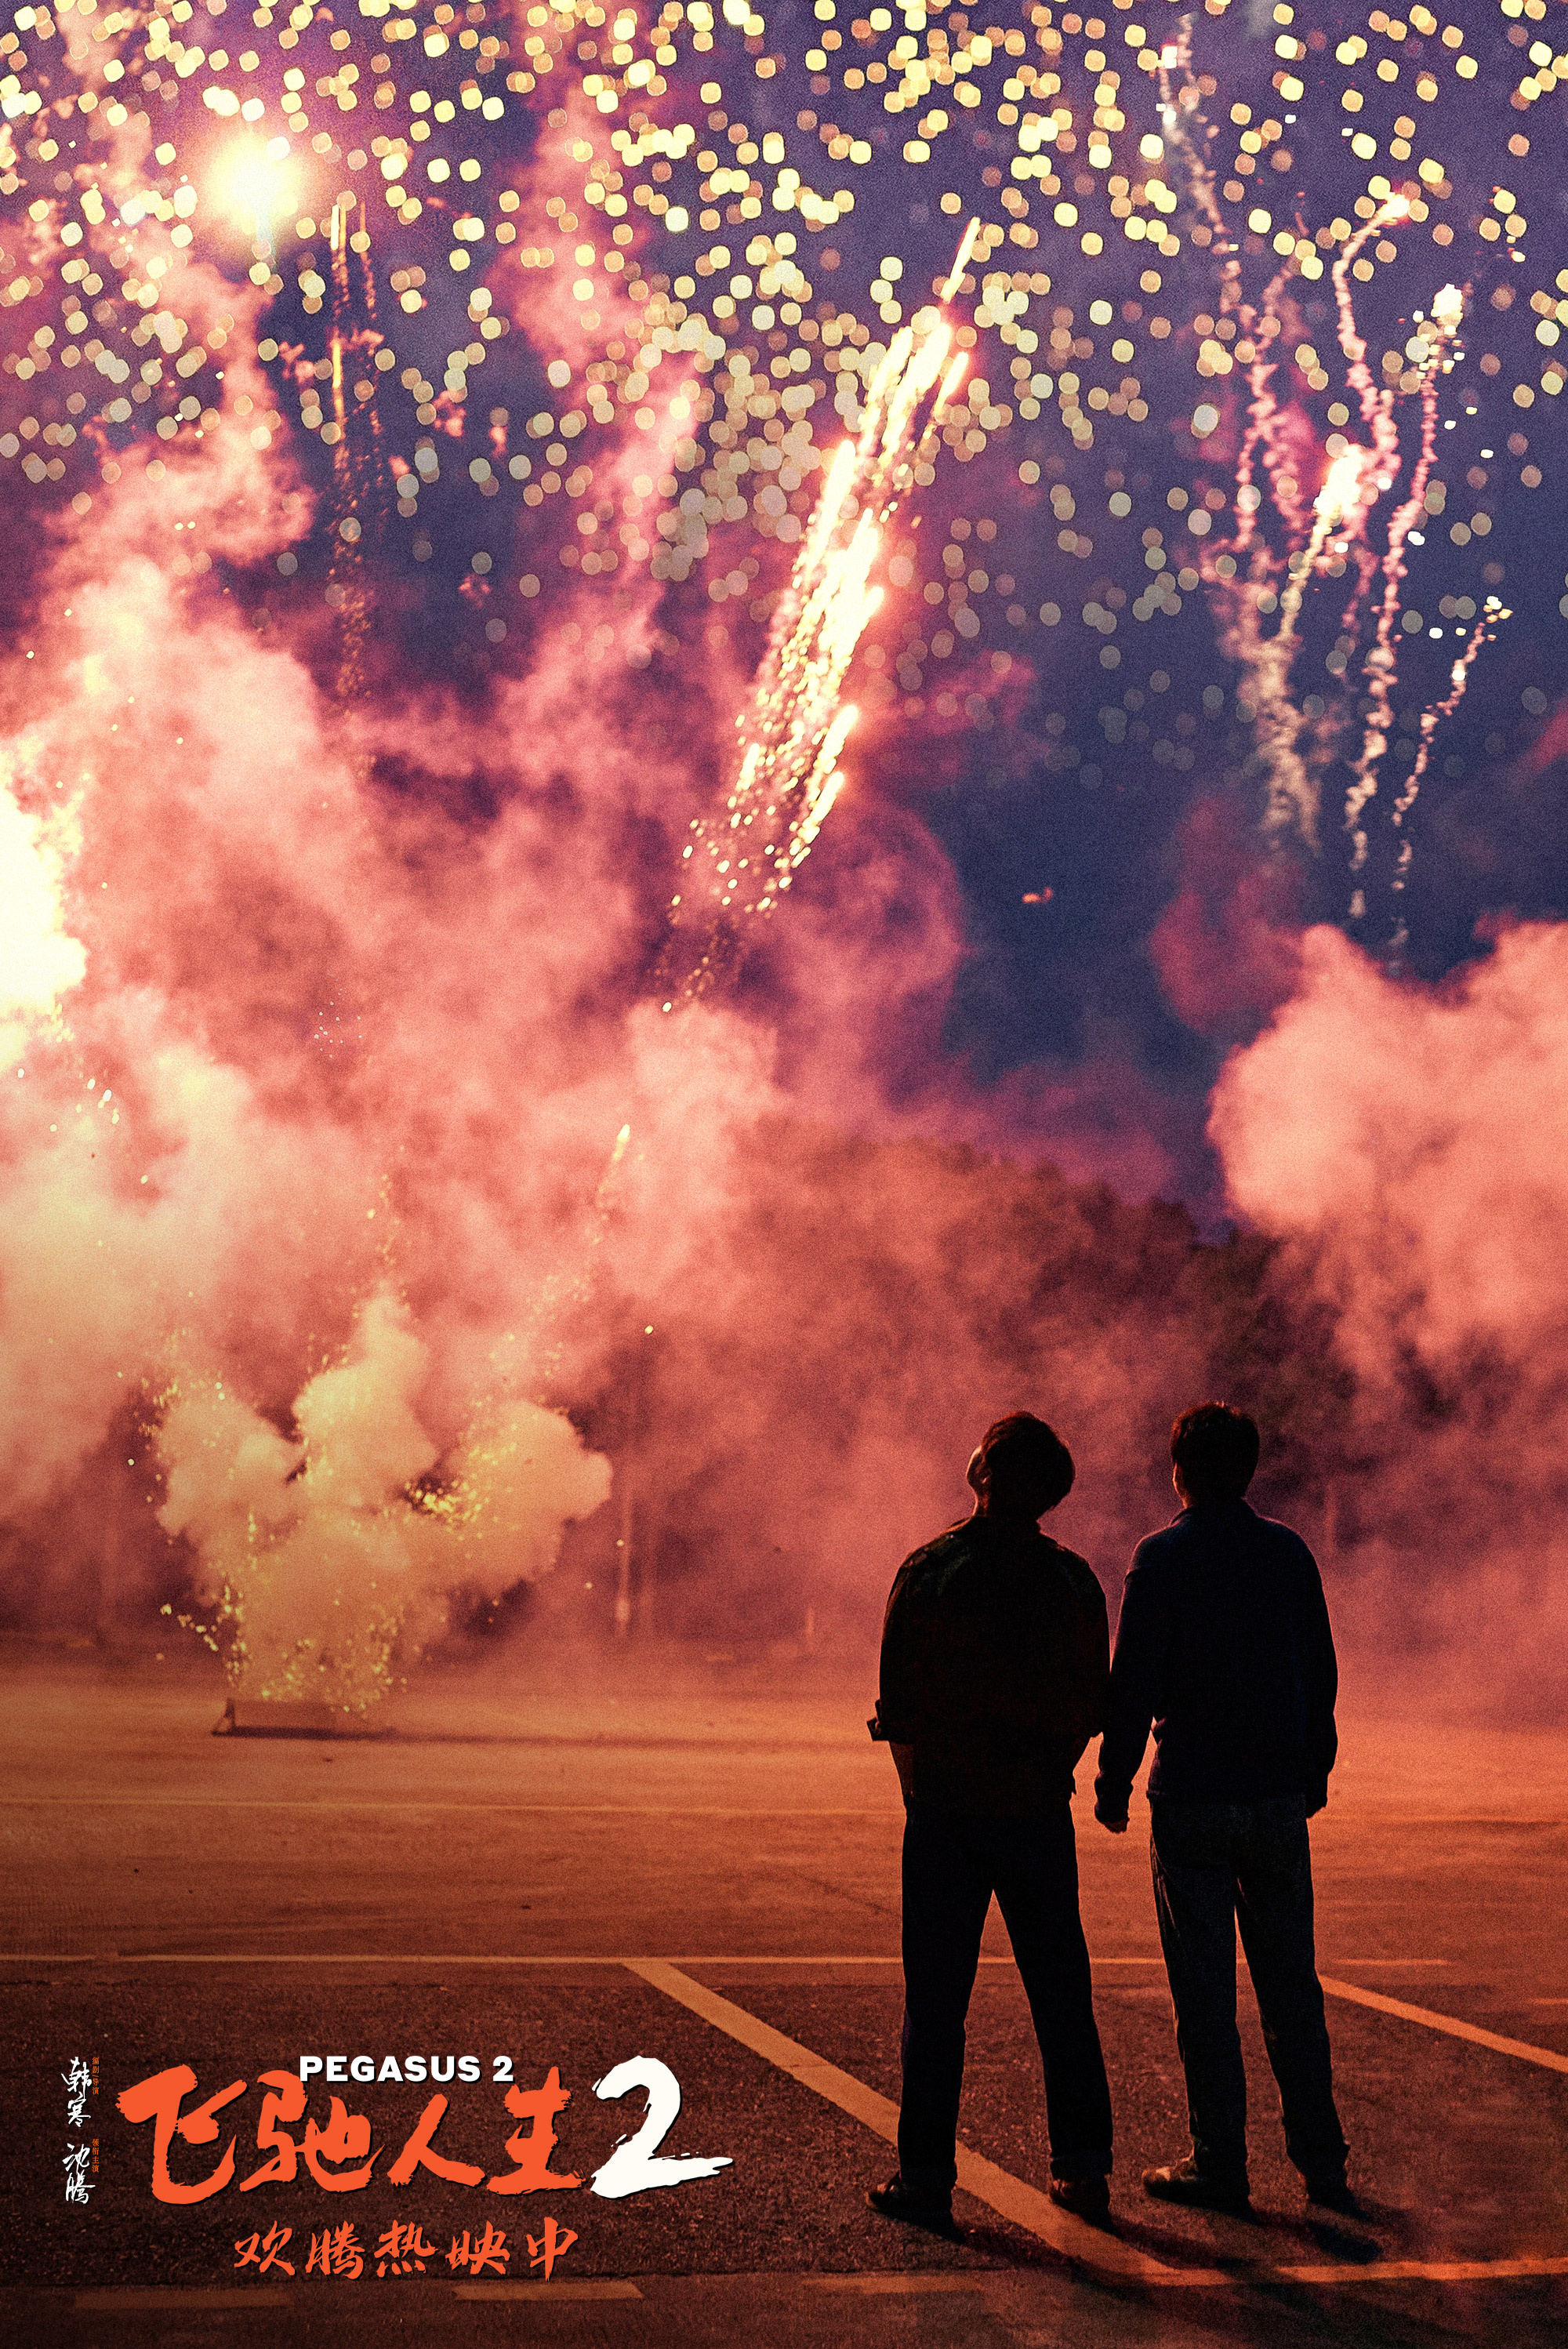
[328, 1281]
[1410, 1145]
[316, 1225]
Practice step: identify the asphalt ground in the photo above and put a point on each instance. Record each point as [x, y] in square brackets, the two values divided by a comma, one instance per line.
[699, 1863]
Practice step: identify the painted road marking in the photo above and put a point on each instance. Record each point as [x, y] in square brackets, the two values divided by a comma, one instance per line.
[445, 1958]
[1547, 2057]
[1525, 2053]
[329, 1807]
[1427, 2272]
[1033, 2210]
[129, 2297]
[1005, 2194]
[586, 2288]
[877, 2283]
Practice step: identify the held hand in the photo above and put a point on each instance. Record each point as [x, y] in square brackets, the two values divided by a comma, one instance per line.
[1112, 1827]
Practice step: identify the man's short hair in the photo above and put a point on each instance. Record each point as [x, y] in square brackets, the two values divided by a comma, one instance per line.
[1027, 1461]
[1215, 1446]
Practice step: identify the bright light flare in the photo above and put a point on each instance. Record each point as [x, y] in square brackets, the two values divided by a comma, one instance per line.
[1344, 487]
[257, 185]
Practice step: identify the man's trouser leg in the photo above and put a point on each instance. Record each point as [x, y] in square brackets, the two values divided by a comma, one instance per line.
[1273, 1910]
[1194, 1898]
[946, 1893]
[1036, 1870]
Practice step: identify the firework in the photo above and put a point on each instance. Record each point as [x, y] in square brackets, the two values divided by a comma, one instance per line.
[642, 329]
[788, 774]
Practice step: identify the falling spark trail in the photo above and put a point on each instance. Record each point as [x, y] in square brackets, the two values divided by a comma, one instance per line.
[1494, 613]
[788, 776]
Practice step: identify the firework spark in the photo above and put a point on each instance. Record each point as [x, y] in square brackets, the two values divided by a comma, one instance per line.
[788, 774]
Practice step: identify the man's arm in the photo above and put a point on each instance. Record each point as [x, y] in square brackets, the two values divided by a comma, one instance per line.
[1135, 1675]
[894, 1721]
[1086, 1647]
[1321, 1682]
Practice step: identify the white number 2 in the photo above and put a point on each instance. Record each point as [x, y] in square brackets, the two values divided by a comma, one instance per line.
[636, 2164]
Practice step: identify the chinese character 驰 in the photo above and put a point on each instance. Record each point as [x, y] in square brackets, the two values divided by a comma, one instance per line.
[264, 2250]
[285, 2101]
[543, 2250]
[403, 2249]
[345, 2136]
[490, 2252]
[78, 2185]
[336, 2251]
[79, 2083]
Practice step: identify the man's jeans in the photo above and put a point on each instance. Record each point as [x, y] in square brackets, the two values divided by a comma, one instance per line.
[952, 1865]
[1218, 1865]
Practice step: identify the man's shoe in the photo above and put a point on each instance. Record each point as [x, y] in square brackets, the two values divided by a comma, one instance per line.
[1085, 2197]
[1332, 2192]
[1197, 2190]
[894, 2199]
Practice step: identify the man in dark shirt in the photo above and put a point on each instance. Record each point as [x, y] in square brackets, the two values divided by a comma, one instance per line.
[1224, 1645]
[994, 1660]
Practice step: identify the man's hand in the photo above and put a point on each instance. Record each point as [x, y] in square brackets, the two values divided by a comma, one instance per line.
[1112, 1827]
[903, 1763]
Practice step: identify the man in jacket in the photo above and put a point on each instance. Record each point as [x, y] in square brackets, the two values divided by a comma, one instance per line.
[1224, 1645]
[994, 1661]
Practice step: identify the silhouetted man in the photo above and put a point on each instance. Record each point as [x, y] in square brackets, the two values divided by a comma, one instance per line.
[1224, 1645]
[993, 1681]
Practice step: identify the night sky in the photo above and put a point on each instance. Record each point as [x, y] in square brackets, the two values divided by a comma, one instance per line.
[1085, 755]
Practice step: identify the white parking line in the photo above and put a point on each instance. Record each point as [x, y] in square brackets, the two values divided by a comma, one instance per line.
[1075, 2239]
[1033, 2211]
[970, 2281]
[585, 2288]
[1427, 2272]
[1547, 2057]
[127, 2298]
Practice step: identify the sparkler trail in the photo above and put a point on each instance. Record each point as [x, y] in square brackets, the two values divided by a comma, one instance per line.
[1494, 612]
[788, 774]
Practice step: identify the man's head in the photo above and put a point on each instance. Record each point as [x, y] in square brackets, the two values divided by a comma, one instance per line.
[1021, 1468]
[1213, 1451]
